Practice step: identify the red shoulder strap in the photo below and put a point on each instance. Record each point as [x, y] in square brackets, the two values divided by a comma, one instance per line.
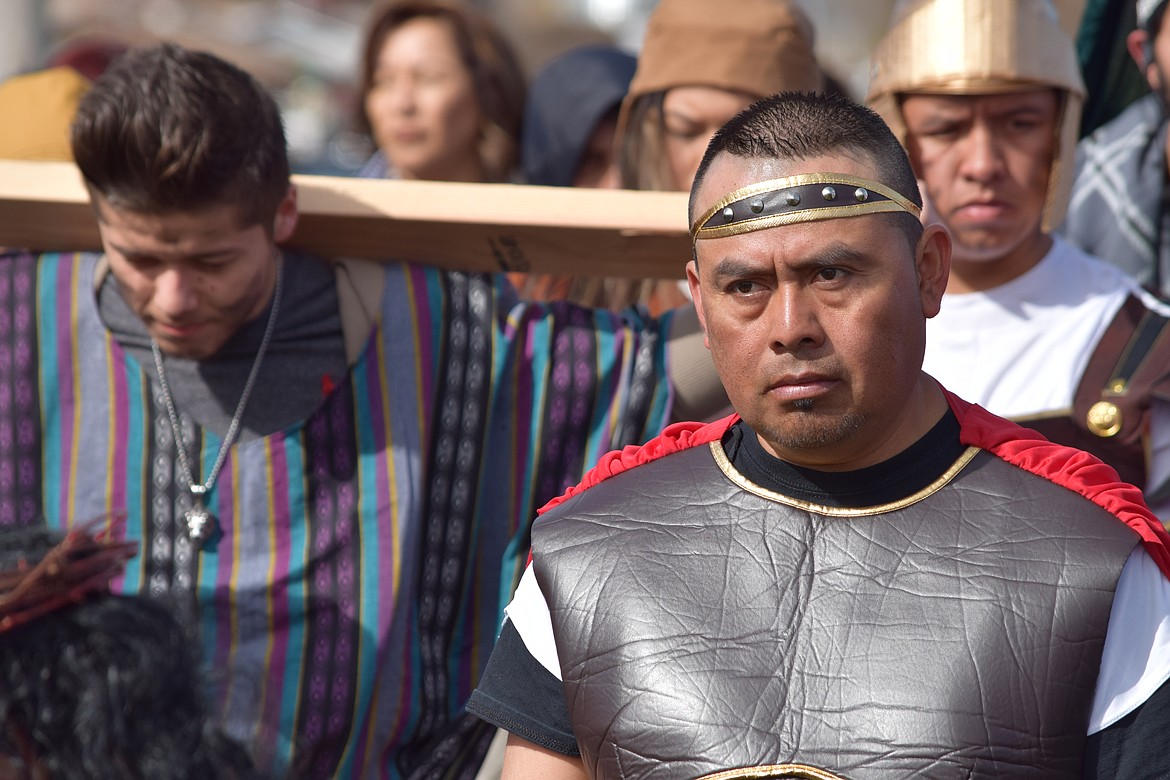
[673, 438]
[1071, 468]
[1074, 469]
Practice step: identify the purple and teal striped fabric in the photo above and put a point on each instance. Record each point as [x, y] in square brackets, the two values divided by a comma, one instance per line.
[367, 554]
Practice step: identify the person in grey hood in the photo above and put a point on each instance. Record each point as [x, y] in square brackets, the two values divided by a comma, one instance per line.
[568, 139]
[571, 114]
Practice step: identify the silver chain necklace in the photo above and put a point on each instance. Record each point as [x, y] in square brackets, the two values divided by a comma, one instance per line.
[201, 525]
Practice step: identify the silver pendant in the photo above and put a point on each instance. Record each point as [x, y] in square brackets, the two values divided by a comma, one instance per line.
[200, 523]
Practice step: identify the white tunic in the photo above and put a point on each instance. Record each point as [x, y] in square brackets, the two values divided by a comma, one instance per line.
[1019, 350]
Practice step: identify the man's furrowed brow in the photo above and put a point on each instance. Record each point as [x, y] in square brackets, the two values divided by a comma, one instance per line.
[734, 267]
[831, 254]
[836, 253]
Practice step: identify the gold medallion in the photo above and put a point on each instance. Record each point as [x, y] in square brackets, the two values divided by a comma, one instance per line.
[1104, 419]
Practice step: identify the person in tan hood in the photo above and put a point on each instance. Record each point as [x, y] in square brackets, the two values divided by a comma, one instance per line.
[696, 70]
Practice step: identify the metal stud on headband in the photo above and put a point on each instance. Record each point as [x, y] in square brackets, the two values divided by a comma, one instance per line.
[803, 198]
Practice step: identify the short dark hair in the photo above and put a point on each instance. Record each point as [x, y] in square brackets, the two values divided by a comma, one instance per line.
[169, 129]
[107, 687]
[799, 125]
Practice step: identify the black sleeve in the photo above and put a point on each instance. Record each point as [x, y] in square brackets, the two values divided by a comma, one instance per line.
[1135, 746]
[520, 696]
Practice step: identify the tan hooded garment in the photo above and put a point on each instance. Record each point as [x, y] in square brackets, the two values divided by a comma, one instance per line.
[760, 47]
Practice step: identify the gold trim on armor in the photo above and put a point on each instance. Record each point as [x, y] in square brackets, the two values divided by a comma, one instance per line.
[836, 511]
[775, 772]
[1048, 414]
[895, 202]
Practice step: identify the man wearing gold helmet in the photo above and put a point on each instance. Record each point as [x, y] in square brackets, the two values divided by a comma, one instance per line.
[1118, 207]
[986, 96]
[858, 574]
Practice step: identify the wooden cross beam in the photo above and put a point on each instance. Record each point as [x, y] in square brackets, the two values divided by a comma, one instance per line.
[476, 227]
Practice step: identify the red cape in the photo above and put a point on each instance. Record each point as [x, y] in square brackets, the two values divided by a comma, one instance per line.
[1071, 468]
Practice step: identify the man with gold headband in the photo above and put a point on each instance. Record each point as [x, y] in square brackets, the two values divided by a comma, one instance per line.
[986, 96]
[858, 574]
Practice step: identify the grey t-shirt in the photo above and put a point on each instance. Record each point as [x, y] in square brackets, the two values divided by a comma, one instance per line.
[305, 358]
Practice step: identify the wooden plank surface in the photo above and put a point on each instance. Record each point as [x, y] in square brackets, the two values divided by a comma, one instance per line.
[479, 227]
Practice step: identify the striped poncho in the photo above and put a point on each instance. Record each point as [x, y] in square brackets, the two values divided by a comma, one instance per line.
[367, 553]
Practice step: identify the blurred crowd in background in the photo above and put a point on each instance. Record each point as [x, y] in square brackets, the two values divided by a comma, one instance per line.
[308, 51]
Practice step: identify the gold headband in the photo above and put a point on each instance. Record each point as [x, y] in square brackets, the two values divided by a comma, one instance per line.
[806, 197]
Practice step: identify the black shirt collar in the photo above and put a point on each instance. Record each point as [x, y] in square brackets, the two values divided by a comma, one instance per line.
[902, 475]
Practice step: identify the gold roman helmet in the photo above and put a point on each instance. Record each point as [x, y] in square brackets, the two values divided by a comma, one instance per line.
[979, 47]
